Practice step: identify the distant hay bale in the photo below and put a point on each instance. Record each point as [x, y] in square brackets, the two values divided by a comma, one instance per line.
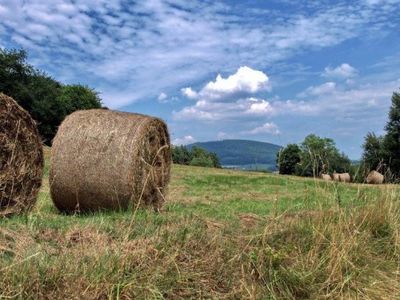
[336, 177]
[104, 159]
[375, 177]
[344, 177]
[326, 177]
[21, 158]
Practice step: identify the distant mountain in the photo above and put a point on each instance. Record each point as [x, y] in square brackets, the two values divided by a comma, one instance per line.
[243, 154]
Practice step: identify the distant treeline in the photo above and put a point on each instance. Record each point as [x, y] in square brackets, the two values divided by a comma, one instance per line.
[315, 155]
[382, 153]
[195, 156]
[46, 99]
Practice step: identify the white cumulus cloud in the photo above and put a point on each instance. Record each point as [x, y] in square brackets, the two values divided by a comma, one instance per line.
[259, 107]
[189, 93]
[228, 98]
[245, 81]
[268, 128]
[343, 71]
[162, 97]
[188, 139]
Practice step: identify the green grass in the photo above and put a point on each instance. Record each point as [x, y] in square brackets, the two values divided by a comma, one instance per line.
[222, 234]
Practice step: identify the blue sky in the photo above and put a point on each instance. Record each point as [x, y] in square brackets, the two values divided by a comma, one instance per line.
[273, 71]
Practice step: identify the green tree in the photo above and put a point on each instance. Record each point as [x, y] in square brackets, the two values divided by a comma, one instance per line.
[46, 108]
[215, 160]
[181, 155]
[47, 100]
[196, 157]
[77, 97]
[288, 158]
[15, 74]
[320, 155]
[372, 151]
[391, 142]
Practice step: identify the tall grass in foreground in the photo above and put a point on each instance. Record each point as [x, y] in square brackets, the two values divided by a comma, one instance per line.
[332, 252]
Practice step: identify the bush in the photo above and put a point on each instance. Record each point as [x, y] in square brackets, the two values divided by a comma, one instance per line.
[195, 157]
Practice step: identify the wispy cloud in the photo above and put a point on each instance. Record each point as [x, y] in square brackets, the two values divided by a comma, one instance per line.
[266, 128]
[343, 71]
[188, 139]
[155, 46]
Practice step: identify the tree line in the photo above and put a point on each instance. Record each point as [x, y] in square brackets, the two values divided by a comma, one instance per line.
[194, 156]
[46, 99]
[382, 153]
[314, 156]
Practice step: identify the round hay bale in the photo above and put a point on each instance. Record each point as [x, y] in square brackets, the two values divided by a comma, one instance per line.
[21, 158]
[326, 177]
[104, 159]
[375, 177]
[336, 177]
[344, 177]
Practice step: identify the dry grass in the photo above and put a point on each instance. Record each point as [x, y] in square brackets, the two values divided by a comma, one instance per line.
[21, 158]
[213, 241]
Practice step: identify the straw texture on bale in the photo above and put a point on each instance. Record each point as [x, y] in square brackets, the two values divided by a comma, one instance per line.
[375, 177]
[326, 177]
[344, 177]
[21, 158]
[336, 177]
[104, 159]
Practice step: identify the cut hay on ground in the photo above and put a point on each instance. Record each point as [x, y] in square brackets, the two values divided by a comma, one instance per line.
[103, 159]
[21, 158]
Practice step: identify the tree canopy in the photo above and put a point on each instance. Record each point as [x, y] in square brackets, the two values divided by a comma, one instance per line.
[315, 155]
[195, 157]
[288, 158]
[46, 99]
[382, 153]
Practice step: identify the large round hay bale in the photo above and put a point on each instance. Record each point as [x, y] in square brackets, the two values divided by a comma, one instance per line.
[104, 159]
[344, 177]
[375, 177]
[21, 158]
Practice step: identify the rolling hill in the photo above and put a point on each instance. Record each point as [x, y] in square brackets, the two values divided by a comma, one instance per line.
[243, 154]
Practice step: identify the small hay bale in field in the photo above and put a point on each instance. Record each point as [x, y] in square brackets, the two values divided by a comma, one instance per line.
[344, 177]
[326, 177]
[104, 159]
[336, 177]
[375, 177]
[21, 158]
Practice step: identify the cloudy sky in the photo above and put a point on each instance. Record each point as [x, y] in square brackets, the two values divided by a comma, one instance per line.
[263, 70]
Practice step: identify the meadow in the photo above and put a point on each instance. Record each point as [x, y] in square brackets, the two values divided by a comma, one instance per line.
[222, 234]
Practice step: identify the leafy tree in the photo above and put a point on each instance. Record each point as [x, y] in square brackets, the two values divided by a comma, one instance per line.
[181, 155]
[215, 160]
[47, 100]
[315, 153]
[15, 75]
[196, 157]
[202, 161]
[373, 151]
[288, 158]
[391, 142]
[320, 155]
[338, 162]
[46, 108]
[76, 97]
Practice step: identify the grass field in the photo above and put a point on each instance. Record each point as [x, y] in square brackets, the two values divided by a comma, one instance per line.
[222, 234]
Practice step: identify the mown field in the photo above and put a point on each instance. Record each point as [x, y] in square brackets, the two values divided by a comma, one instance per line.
[222, 234]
